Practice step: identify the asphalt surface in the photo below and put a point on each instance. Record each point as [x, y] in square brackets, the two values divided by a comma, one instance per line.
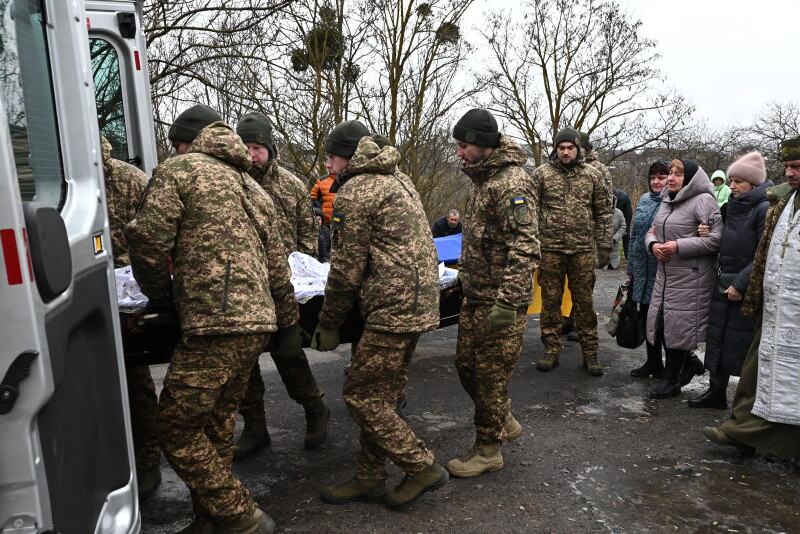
[596, 455]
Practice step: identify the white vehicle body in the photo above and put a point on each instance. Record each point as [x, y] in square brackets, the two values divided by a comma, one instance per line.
[66, 464]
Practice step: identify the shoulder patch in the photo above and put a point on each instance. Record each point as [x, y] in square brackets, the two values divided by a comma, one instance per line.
[520, 211]
[337, 230]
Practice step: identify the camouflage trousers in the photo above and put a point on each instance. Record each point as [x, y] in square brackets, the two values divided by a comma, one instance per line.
[378, 374]
[485, 361]
[296, 375]
[196, 414]
[143, 403]
[579, 270]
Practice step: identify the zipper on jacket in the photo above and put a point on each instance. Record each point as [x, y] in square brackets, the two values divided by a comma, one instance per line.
[416, 289]
[227, 284]
[403, 184]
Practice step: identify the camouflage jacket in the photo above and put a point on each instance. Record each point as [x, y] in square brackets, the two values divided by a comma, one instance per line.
[297, 222]
[382, 248]
[204, 210]
[574, 208]
[500, 245]
[124, 190]
[591, 158]
[778, 198]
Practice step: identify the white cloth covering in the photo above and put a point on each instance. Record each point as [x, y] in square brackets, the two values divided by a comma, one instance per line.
[308, 278]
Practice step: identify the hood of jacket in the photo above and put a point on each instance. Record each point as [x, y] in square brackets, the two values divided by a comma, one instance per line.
[508, 152]
[698, 185]
[369, 158]
[719, 174]
[219, 141]
[751, 198]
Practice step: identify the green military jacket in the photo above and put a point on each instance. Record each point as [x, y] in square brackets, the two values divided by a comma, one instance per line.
[500, 245]
[125, 186]
[297, 223]
[382, 249]
[574, 208]
[591, 159]
[778, 197]
[205, 212]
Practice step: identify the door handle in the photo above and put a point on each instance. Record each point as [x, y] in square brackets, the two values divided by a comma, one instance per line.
[18, 371]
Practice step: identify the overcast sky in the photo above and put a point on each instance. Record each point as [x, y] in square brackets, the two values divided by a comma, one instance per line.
[729, 57]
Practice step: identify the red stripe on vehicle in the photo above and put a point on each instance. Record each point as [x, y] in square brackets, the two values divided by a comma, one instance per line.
[11, 256]
[27, 252]
[136, 57]
[88, 23]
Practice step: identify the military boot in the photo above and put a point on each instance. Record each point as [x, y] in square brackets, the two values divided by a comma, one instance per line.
[317, 415]
[356, 489]
[412, 487]
[480, 458]
[548, 362]
[511, 427]
[256, 523]
[149, 482]
[592, 364]
[721, 438]
[255, 437]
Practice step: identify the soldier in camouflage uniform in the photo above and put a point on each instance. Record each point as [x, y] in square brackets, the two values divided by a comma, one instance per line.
[574, 220]
[384, 259]
[299, 231]
[125, 186]
[218, 226]
[499, 254]
[590, 157]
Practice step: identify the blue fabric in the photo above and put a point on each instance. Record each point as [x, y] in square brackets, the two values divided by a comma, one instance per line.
[449, 248]
[640, 264]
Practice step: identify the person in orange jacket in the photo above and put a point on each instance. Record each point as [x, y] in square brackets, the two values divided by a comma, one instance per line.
[322, 197]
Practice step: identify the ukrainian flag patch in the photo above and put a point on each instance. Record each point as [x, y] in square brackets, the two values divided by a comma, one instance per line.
[519, 200]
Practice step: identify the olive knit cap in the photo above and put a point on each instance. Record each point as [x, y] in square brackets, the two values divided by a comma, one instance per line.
[585, 143]
[750, 168]
[190, 122]
[790, 149]
[477, 127]
[567, 135]
[381, 140]
[344, 138]
[255, 127]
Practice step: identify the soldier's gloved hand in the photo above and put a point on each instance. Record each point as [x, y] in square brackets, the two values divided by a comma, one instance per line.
[462, 278]
[160, 305]
[289, 341]
[502, 315]
[325, 339]
[603, 257]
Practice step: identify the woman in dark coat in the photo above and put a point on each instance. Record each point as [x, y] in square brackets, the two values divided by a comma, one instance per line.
[641, 265]
[729, 333]
[687, 267]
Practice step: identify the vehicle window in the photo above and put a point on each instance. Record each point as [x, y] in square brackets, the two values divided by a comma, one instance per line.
[108, 96]
[27, 92]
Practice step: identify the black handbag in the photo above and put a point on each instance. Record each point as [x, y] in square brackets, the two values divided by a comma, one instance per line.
[632, 325]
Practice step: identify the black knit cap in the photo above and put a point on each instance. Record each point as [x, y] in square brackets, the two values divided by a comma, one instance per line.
[477, 127]
[255, 127]
[587, 145]
[790, 149]
[190, 122]
[344, 138]
[567, 135]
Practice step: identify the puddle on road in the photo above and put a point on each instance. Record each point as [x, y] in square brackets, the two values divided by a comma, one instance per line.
[756, 496]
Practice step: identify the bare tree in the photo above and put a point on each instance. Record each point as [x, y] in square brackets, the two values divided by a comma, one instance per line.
[583, 64]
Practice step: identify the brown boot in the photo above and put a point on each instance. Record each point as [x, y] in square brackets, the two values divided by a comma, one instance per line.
[317, 415]
[592, 364]
[256, 523]
[412, 487]
[512, 428]
[548, 362]
[479, 459]
[255, 437]
[356, 489]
